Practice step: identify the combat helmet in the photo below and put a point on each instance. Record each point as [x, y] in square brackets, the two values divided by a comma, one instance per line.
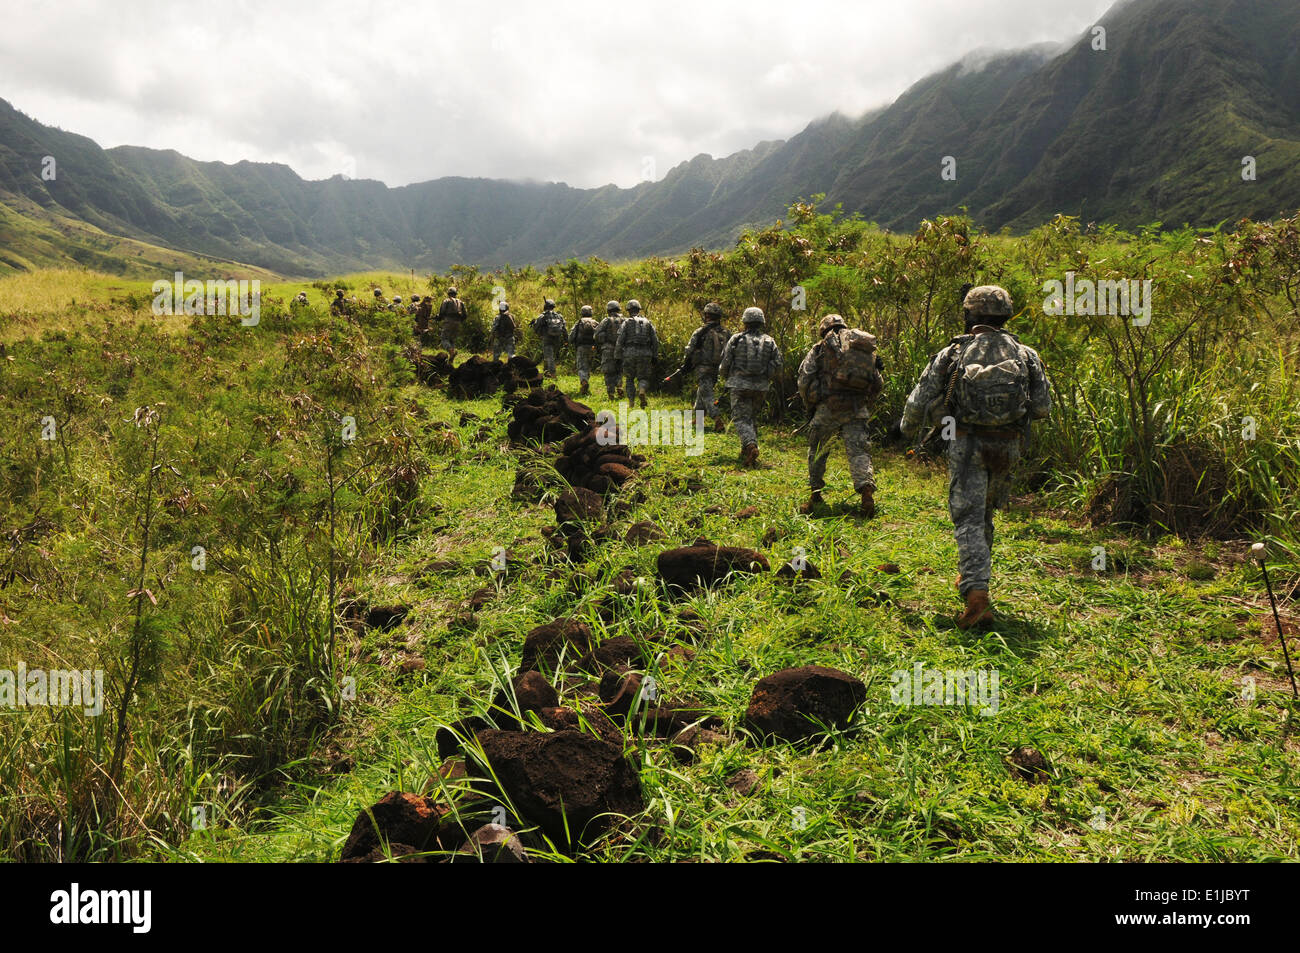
[753, 316]
[503, 306]
[613, 307]
[586, 311]
[713, 311]
[989, 301]
[634, 307]
[548, 305]
[830, 323]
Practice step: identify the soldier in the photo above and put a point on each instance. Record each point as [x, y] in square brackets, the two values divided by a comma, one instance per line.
[378, 301]
[396, 306]
[583, 341]
[414, 305]
[991, 386]
[703, 355]
[503, 332]
[838, 380]
[749, 362]
[550, 327]
[339, 306]
[423, 315]
[451, 313]
[637, 347]
[301, 300]
[607, 339]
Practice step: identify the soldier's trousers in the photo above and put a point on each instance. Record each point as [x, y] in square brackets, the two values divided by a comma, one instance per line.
[549, 348]
[612, 372]
[504, 346]
[450, 331]
[822, 430]
[706, 378]
[745, 405]
[637, 370]
[582, 359]
[979, 481]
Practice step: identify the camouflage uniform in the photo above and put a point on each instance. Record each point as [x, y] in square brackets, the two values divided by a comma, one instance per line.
[451, 313]
[704, 357]
[749, 362]
[636, 348]
[845, 414]
[552, 339]
[583, 341]
[979, 465]
[423, 314]
[607, 340]
[503, 335]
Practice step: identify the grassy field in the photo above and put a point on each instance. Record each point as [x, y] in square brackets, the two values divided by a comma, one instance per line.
[1154, 689]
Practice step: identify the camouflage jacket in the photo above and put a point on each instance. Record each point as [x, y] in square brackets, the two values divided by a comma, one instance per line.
[637, 338]
[607, 331]
[926, 402]
[451, 309]
[698, 348]
[750, 360]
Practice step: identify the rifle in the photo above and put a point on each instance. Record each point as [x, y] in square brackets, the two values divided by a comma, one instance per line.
[677, 373]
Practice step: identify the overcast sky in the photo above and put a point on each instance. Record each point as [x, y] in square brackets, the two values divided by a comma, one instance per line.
[587, 92]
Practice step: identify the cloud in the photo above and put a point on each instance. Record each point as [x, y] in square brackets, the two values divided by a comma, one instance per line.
[404, 92]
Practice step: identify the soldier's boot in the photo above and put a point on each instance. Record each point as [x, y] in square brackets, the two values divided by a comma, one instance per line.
[868, 505]
[814, 501]
[585, 388]
[720, 425]
[977, 609]
[749, 455]
[956, 583]
[618, 391]
[641, 397]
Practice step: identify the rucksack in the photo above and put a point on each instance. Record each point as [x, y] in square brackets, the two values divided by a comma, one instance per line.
[586, 332]
[553, 324]
[504, 325]
[752, 354]
[851, 363]
[990, 384]
[709, 352]
[638, 333]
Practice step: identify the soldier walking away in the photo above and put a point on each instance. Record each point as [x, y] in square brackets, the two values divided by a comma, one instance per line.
[583, 341]
[423, 315]
[839, 380]
[414, 305]
[749, 362]
[607, 341]
[396, 306]
[703, 355]
[503, 332]
[378, 301]
[339, 306]
[993, 387]
[637, 347]
[550, 327]
[451, 313]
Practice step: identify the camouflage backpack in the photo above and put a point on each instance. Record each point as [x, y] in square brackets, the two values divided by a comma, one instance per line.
[752, 354]
[586, 336]
[638, 333]
[990, 382]
[553, 325]
[712, 343]
[850, 366]
[504, 325]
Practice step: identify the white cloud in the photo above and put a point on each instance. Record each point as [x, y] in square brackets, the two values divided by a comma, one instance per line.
[578, 92]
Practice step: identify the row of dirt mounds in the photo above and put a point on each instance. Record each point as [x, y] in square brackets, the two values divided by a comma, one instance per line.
[572, 782]
[558, 751]
[476, 376]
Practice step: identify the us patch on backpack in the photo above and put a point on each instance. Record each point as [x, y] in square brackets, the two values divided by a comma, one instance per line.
[992, 387]
[852, 359]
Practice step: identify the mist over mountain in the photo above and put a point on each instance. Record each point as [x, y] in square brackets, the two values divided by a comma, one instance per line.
[1153, 127]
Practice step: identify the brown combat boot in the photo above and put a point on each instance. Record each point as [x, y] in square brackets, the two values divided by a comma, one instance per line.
[749, 455]
[585, 388]
[814, 501]
[868, 505]
[977, 609]
[618, 391]
[641, 398]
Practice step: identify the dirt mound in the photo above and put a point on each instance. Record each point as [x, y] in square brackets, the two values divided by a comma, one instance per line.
[790, 703]
[1029, 764]
[432, 370]
[531, 691]
[643, 532]
[546, 415]
[545, 643]
[595, 459]
[491, 844]
[809, 571]
[399, 818]
[704, 564]
[572, 785]
[478, 377]
[620, 650]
